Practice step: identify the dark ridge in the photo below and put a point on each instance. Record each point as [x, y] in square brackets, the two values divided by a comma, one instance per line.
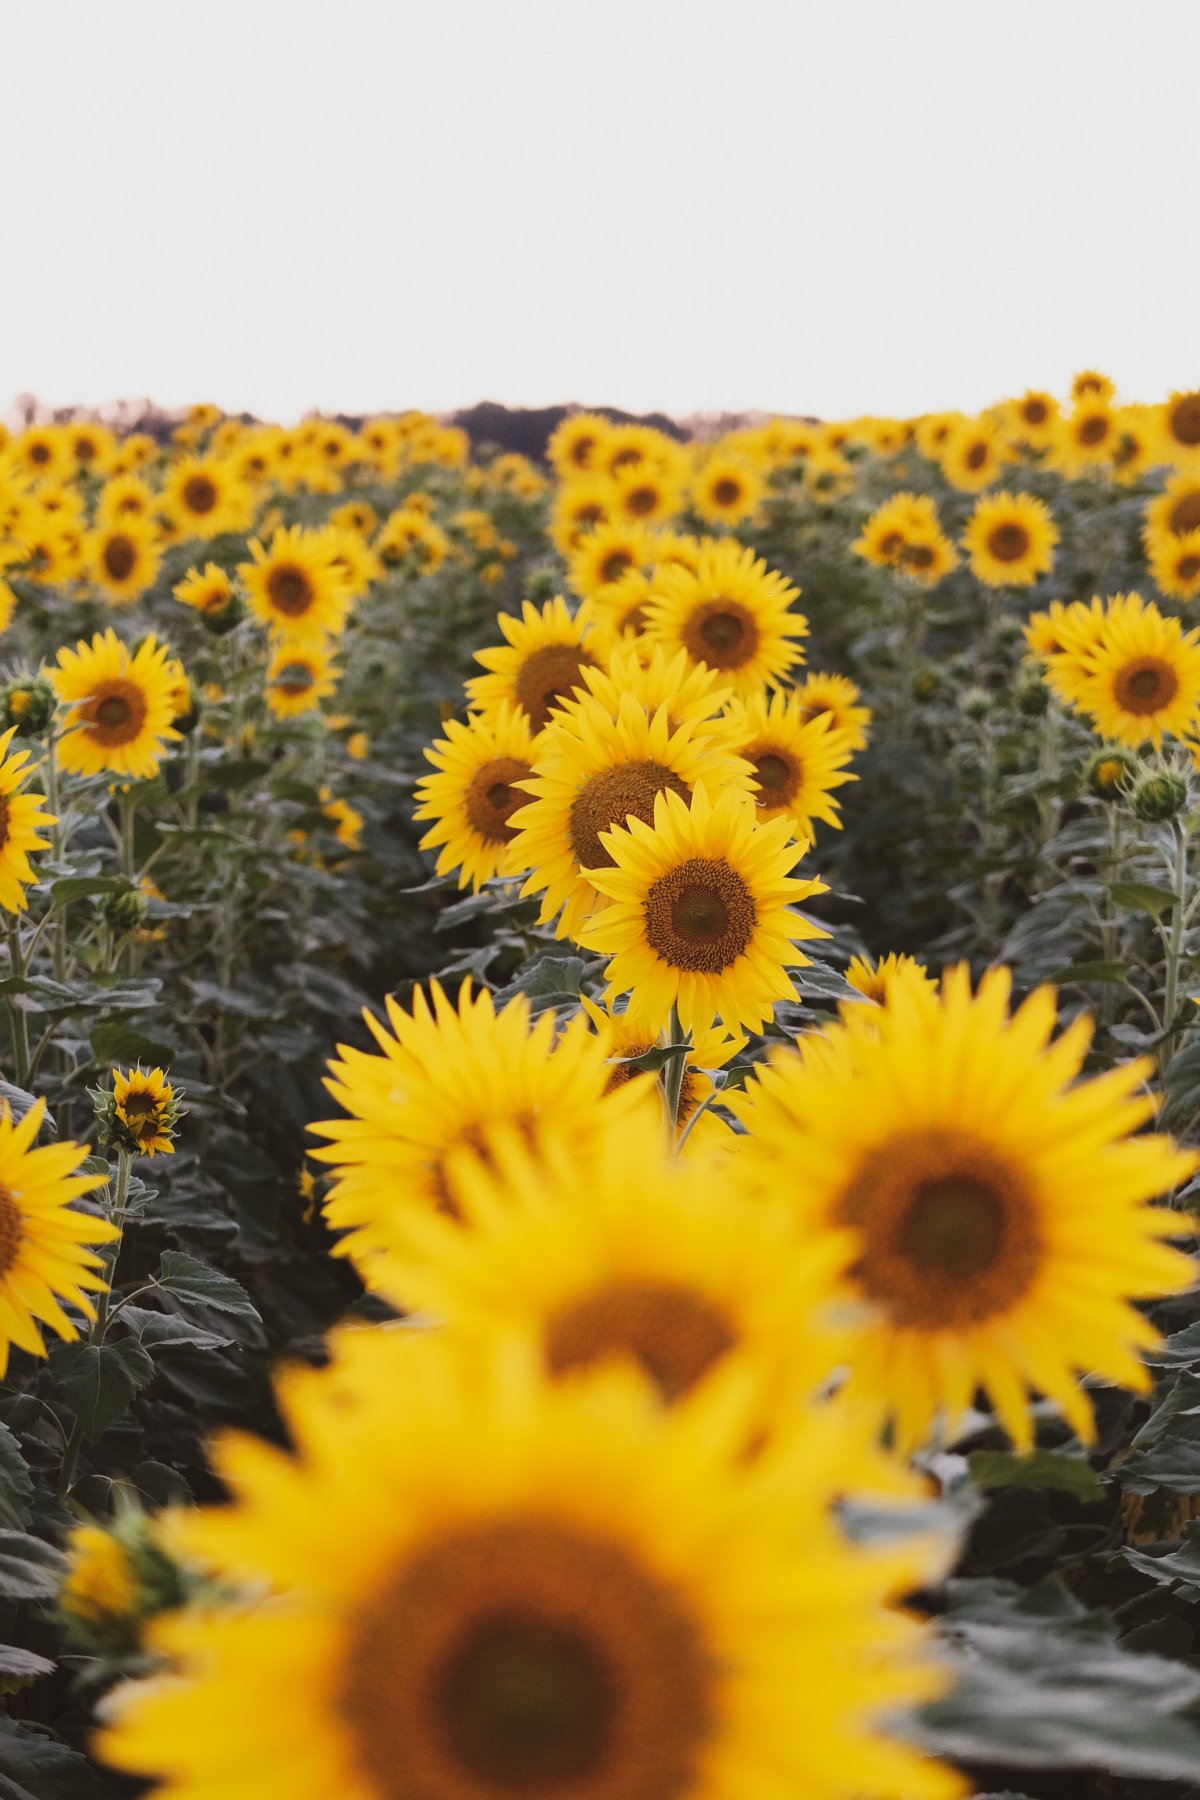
[528, 429]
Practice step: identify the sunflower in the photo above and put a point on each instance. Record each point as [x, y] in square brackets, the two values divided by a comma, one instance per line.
[973, 455]
[100, 1587]
[44, 1243]
[934, 431]
[593, 772]
[123, 498]
[656, 677]
[58, 501]
[637, 1257]
[1090, 384]
[828, 475]
[1139, 679]
[346, 820]
[120, 722]
[1136, 448]
[408, 538]
[147, 1107]
[619, 618]
[1177, 508]
[475, 792]
[483, 1586]
[41, 452]
[21, 818]
[209, 591]
[625, 1040]
[873, 980]
[293, 587]
[928, 556]
[798, 759]
[541, 663]
[889, 529]
[1087, 438]
[734, 615]
[577, 444]
[1032, 418]
[122, 559]
[90, 447]
[1069, 630]
[999, 1200]
[838, 696]
[1181, 426]
[606, 555]
[208, 496]
[351, 557]
[1010, 539]
[726, 490]
[445, 1077]
[578, 509]
[355, 515]
[299, 676]
[1175, 565]
[646, 496]
[699, 917]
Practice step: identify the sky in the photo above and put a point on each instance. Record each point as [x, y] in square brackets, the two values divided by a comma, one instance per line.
[804, 206]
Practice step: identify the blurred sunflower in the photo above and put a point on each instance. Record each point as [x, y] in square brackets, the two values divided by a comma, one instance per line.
[577, 444]
[299, 676]
[1010, 539]
[1175, 565]
[121, 707]
[606, 555]
[1087, 437]
[293, 587]
[873, 980]
[579, 509]
[209, 591]
[838, 696]
[207, 496]
[475, 792]
[1032, 418]
[1090, 385]
[1177, 508]
[973, 455]
[625, 1040]
[1181, 426]
[726, 489]
[122, 559]
[124, 497]
[1139, 679]
[21, 818]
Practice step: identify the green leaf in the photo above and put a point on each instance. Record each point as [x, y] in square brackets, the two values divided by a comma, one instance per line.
[1090, 971]
[99, 1380]
[1175, 1566]
[1043, 1469]
[1142, 896]
[23, 1663]
[16, 1484]
[159, 1330]
[189, 1279]
[37, 1765]
[80, 887]
[29, 1569]
[114, 1042]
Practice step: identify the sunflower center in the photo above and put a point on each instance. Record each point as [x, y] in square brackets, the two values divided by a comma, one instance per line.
[608, 798]
[777, 777]
[548, 674]
[1185, 514]
[675, 1334]
[700, 916]
[11, 1232]
[492, 798]
[1188, 567]
[120, 556]
[949, 1230]
[590, 513]
[976, 456]
[722, 633]
[726, 491]
[919, 557]
[1035, 412]
[581, 451]
[641, 500]
[4, 818]
[1185, 420]
[1146, 685]
[200, 494]
[296, 679]
[115, 714]
[891, 544]
[289, 589]
[524, 1657]
[1093, 430]
[615, 564]
[40, 453]
[1008, 542]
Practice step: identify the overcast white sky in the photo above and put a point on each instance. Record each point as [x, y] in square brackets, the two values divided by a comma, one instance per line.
[833, 206]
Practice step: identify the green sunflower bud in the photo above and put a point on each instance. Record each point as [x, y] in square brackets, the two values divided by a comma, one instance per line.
[1159, 796]
[27, 701]
[1111, 771]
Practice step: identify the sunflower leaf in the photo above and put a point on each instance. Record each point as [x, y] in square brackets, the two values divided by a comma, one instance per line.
[1142, 896]
[99, 1380]
[29, 1569]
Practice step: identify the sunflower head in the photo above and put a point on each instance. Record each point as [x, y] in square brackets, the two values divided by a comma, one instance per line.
[140, 1113]
[121, 706]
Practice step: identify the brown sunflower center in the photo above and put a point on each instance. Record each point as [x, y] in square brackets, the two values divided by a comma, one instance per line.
[296, 679]
[5, 816]
[641, 500]
[120, 557]
[919, 557]
[1008, 542]
[976, 455]
[727, 491]
[626, 459]
[85, 449]
[1126, 450]
[547, 674]
[1035, 412]
[674, 1333]
[615, 564]
[1185, 513]
[40, 453]
[700, 915]
[492, 798]
[891, 544]
[1184, 420]
[580, 452]
[949, 1227]
[1146, 685]
[722, 633]
[11, 1232]
[1093, 430]
[777, 777]
[1188, 567]
[115, 713]
[590, 513]
[524, 1657]
[608, 798]
[290, 589]
[200, 494]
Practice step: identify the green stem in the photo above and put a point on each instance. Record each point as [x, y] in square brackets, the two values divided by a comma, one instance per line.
[16, 1013]
[673, 1077]
[99, 1325]
[1174, 944]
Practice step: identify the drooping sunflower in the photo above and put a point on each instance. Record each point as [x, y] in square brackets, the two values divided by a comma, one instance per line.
[888, 530]
[1000, 1201]
[1177, 508]
[838, 696]
[445, 1074]
[299, 676]
[486, 1590]
[798, 759]
[699, 917]
[293, 587]
[475, 792]
[121, 706]
[734, 615]
[726, 489]
[625, 1040]
[46, 1253]
[409, 539]
[209, 591]
[973, 455]
[1175, 564]
[123, 560]
[593, 772]
[1010, 539]
[1140, 677]
[208, 496]
[147, 1106]
[1181, 427]
[21, 818]
[541, 663]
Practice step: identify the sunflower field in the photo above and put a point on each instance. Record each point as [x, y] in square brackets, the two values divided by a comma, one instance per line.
[600, 1109]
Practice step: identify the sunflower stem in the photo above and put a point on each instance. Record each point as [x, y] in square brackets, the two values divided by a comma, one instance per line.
[99, 1325]
[673, 1077]
[16, 1015]
[1174, 944]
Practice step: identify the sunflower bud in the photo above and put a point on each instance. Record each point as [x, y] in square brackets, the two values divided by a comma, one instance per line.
[139, 1115]
[124, 909]
[27, 701]
[1031, 694]
[976, 703]
[117, 1577]
[231, 614]
[1111, 771]
[1159, 796]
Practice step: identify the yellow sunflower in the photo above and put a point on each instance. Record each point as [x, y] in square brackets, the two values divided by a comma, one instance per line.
[299, 676]
[485, 1583]
[999, 1201]
[887, 532]
[45, 1254]
[1136, 448]
[121, 707]
[21, 818]
[873, 980]
[123, 498]
[1010, 539]
[699, 917]
[475, 792]
[1090, 384]
[798, 759]
[446, 1074]
[656, 677]
[293, 587]
[1032, 418]
[541, 663]
[1181, 426]
[619, 617]
[577, 445]
[928, 556]
[1175, 564]
[646, 496]
[828, 475]
[734, 615]
[606, 555]
[1177, 508]
[838, 696]
[90, 447]
[209, 591]
[593, 772]
[578, 509]
[1086, 438]
[1140, 677]
[408, 538]
[726, 489]
[973, 455]
[122, 559]
[1068, 630]
[207, 496]
[147, 1106]
[41, 451]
